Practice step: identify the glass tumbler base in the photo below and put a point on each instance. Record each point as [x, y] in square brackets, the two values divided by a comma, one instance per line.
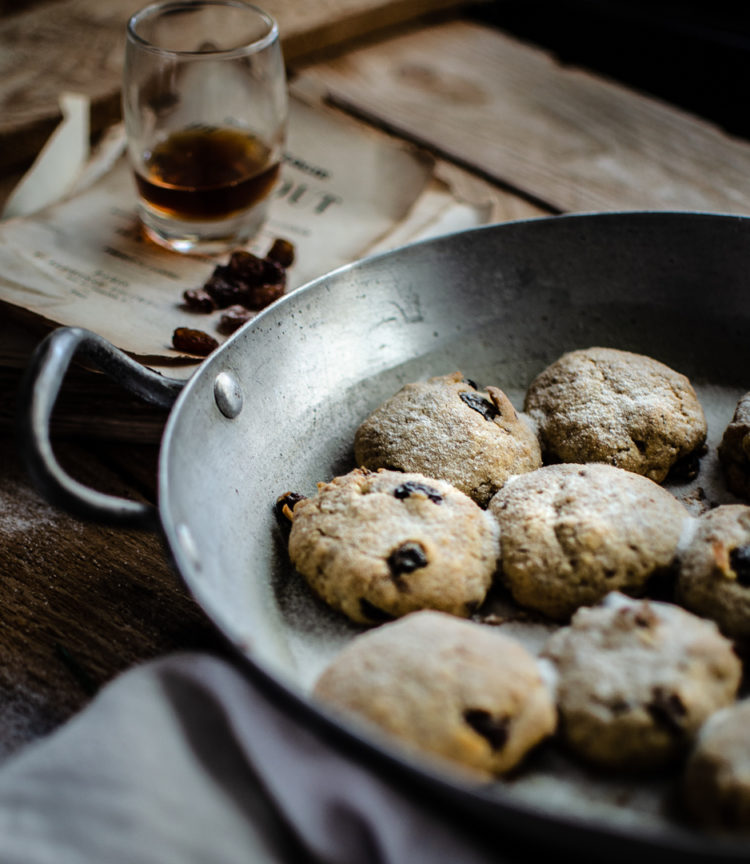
[202, 237]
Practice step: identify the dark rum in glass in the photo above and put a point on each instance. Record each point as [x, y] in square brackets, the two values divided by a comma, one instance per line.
[206, 173]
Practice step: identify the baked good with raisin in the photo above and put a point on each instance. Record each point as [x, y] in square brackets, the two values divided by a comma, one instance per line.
[734, 450]
[714, 569]
[637, 679]
[377, 545]
[570, 534]
[446, 427]
[618, 407]
[716, 780]
[445, 686]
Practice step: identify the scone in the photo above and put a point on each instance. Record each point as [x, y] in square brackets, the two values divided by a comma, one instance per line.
[446, 686]
[716, 782]
[444, 427]
[637, 679]
[714, 569]
[376, 545]
[625, 409]
[572, 533]
[734, 450]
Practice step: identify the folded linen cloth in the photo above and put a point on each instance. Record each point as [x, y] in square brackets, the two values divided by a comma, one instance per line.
[183, 760]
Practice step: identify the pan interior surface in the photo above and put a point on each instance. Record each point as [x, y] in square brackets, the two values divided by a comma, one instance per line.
[497, 303]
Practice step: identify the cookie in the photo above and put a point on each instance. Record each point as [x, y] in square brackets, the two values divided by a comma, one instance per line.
[734, 450]
[445, 686]
[716, 781]
[572, 533]
[376, 545]
[637, 679]
[445, 427]
[714, 569]
[625, 409]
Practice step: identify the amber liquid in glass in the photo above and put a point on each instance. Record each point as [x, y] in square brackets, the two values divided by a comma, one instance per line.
[207, 173]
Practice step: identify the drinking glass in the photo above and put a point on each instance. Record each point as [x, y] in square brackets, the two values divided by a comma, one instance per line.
[205, 109]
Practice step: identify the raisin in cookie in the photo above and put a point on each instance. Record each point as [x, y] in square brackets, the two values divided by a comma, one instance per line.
[572, 533]
[637, 679]
[734, 450]
[625, 409]
[446, 686]
[714, 569]
[444, 427]
[376, 545]
[716, 782]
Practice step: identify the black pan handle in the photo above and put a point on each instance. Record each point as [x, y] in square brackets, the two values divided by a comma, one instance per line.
[39, 390]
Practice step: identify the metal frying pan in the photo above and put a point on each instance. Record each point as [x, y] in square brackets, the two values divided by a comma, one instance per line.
[275, 409]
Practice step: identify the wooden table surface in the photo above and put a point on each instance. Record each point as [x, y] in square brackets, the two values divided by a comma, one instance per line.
[507, 123]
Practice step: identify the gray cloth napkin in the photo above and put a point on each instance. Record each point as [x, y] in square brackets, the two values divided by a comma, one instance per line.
[182, 760]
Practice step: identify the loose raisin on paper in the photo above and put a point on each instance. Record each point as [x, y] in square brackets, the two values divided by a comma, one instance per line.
[245, 284]
[282, 251]
[199, 300]
[233, 318]
[193, 341]
[257, 297]
[244, 265]
[246, 280]
[223, 289]
[262, 281]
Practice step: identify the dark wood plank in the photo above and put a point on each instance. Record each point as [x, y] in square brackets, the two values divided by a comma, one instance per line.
[81, 602]
[78, 45]
[560, 135]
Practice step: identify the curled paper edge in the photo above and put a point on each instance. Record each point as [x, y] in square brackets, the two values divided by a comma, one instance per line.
[56, 168]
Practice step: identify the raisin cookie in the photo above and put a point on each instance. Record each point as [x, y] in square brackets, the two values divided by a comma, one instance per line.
[625, 409]
[714, 569]
[637, 679]
[734, 450]
[444, 427]
[376, 545]
[716, 781]
[446, 686]
[572, 533]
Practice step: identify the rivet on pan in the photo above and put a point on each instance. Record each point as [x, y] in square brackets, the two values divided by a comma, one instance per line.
[228, 394]
[189, 547]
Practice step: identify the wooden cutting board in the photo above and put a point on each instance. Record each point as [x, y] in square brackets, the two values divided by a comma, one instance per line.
[78, 45]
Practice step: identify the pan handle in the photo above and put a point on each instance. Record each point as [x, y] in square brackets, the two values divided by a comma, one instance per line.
[39, 390]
